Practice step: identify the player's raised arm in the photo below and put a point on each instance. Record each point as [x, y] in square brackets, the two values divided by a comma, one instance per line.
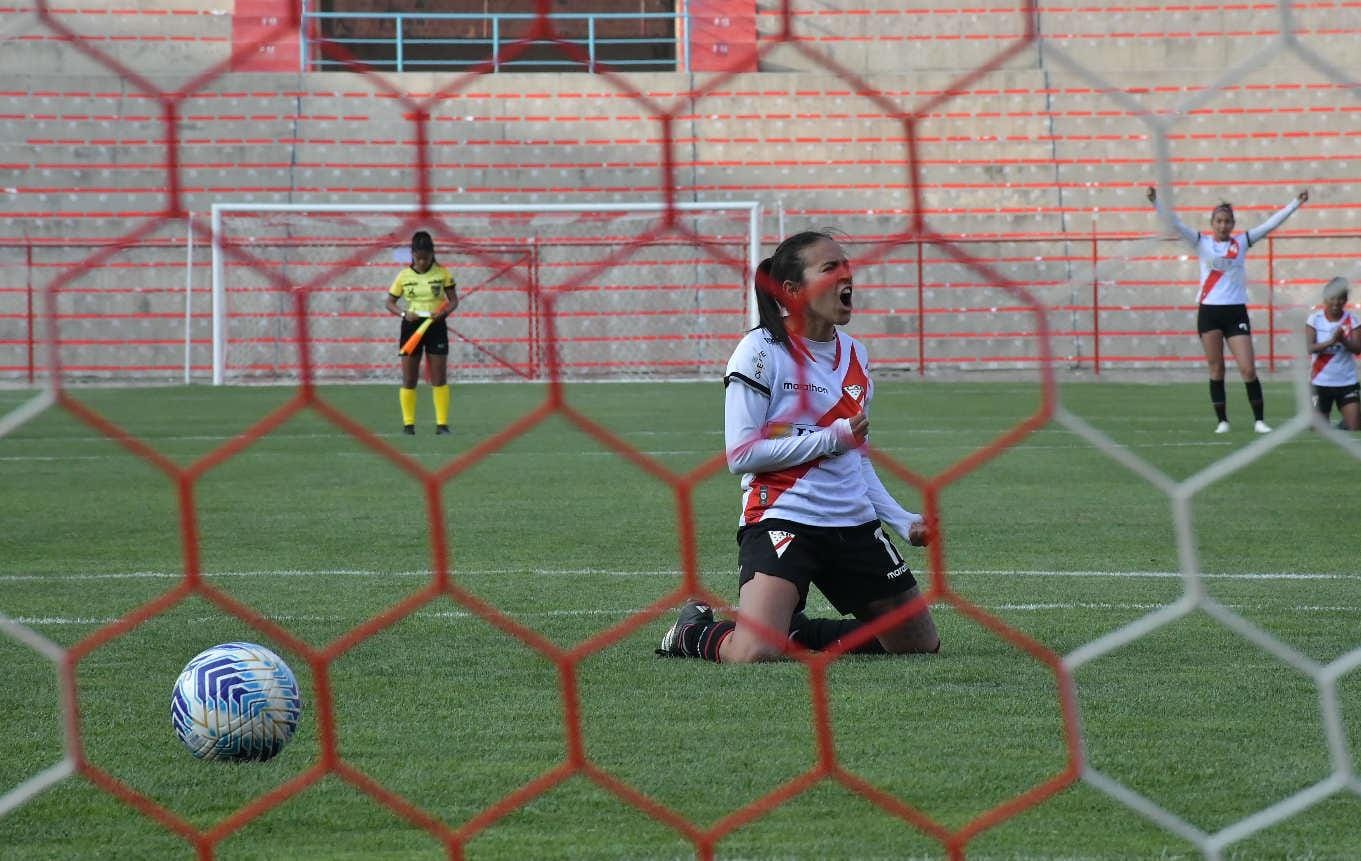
[1168, 215]
[1277, 218]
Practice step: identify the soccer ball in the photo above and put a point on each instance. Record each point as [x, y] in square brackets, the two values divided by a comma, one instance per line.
[235, 702]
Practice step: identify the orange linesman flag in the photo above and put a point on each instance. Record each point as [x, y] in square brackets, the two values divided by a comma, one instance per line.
[410, 346]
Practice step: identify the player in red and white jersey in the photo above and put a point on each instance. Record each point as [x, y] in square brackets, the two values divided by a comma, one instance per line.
[1334, 339]
[796, 422]
[1222, 298]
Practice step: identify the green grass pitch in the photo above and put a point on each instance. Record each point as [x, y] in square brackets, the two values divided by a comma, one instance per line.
[1053, 537]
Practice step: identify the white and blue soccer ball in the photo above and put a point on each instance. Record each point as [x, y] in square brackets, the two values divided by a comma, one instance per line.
[235, 702]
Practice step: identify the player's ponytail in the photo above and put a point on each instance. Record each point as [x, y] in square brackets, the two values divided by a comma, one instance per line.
[767, 308]
[786, 264]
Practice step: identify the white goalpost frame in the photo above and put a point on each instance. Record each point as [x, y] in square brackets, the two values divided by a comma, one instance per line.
[219, 290]
[188, 295]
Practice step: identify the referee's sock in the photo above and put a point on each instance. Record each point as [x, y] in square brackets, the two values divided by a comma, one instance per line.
[441, 398]
[408, 401]
[817, 635]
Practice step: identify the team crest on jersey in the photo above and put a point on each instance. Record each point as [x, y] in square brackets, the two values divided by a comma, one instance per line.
[781, 541]
[855, 392]
[764, 495]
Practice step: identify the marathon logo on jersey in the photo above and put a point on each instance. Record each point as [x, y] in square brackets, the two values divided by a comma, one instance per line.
[805, 387]
[1221, 264]
[781, 541]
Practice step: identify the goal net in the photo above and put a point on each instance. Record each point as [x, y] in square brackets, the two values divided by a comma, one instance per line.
[585, 291]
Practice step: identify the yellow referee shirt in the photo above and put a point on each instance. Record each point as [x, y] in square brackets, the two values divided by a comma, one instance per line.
[423, 291]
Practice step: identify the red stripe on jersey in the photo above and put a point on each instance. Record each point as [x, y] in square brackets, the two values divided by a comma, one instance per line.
[1213, 278]
[1321, 361]
[855, 387]
[766, 487]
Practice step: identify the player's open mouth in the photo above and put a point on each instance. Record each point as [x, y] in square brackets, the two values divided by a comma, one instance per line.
[845, 297]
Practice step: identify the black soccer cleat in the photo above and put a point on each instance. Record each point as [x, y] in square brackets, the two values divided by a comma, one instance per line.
[409, 430]
[693, 613]
[441, 429]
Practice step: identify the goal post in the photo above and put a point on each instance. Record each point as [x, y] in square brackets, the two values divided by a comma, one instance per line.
[632, 300]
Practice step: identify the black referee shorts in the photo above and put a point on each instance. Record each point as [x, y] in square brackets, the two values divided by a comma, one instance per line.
[852, 565]
[435, 341]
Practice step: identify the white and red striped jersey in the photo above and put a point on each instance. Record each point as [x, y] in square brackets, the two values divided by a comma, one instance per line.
[1223, 265]
[787, 431]
[1335, 366]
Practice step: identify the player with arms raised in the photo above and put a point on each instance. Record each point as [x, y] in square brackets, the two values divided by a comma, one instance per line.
[1223, 295]
[796, 422]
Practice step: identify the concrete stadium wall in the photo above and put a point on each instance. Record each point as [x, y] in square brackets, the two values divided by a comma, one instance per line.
[1026, 166]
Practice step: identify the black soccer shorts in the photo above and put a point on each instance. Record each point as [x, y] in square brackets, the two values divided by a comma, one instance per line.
[1229, 319]
[852, 565]
[435, 341]
[1326, 396]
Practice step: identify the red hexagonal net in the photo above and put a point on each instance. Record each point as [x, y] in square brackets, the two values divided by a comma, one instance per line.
[910, 128]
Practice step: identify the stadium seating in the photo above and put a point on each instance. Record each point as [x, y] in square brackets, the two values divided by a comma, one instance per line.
[1048, 148]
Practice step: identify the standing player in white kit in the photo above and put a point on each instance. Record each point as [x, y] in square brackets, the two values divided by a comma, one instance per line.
[1223, 296]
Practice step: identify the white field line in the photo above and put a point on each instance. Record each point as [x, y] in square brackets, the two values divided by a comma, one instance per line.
[39, 621]
[478, 572]
[895, 451]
